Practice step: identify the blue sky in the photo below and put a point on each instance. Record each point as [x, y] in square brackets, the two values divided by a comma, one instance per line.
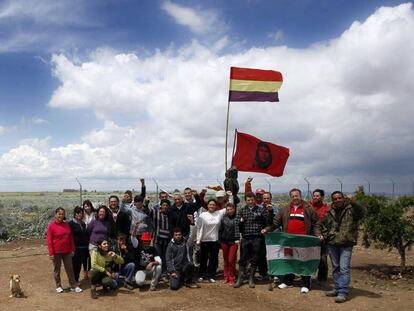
[72, 71]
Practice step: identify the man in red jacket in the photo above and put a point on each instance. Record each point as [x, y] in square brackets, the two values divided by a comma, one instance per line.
[321, 208]
[296, 218]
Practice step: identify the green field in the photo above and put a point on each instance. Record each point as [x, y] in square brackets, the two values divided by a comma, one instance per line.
[27, 214]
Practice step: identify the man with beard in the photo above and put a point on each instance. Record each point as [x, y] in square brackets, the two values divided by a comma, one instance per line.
[340, 232]
[321, 208]
[296, 218]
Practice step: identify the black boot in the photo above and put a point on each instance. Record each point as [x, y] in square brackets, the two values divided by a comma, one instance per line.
[94, 295]
[251, 276]
[239, 277]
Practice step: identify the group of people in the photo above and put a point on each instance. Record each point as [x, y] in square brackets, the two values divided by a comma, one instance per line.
[132, 240]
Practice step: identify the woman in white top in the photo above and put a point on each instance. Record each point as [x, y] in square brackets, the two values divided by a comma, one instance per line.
[208, 225]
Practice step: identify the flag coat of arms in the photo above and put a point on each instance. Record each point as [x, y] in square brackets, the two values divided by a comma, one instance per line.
[259, 85]
[292, 253]
[255, 155]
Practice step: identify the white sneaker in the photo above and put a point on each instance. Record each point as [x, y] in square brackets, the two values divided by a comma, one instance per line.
[59, 290]
[212, 280]
[200, 280]
[283, 286]
[77, 289]
[304, 290]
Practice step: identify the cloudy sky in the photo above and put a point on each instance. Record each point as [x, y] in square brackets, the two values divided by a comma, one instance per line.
[111, 90]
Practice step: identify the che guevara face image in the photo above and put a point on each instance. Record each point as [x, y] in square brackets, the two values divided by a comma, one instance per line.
[263, 157]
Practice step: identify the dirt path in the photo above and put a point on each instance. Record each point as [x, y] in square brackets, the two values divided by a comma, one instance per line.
[372, 288]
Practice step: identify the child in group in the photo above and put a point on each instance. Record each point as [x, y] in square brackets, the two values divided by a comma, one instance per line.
[228, 242]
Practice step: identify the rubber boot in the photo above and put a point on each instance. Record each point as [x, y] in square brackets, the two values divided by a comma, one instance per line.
[239, 277]
[94, 295]
[251, 277]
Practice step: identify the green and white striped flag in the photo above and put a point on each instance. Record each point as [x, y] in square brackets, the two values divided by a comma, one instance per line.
[292, 253]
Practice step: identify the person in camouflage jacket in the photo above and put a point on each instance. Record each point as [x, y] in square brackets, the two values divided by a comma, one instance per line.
[340, 232]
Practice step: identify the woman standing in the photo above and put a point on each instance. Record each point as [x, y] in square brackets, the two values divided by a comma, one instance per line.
[229, 244]
[100, 228]
[81, 238]
[88, 216]
[208, 225]
[61, 248]
[89, 212]
[102, 260]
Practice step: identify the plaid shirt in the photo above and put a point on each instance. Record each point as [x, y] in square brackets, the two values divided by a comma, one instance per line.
[254, 220]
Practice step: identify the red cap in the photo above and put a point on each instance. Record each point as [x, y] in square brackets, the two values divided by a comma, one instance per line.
[260, 191]
[145, 237]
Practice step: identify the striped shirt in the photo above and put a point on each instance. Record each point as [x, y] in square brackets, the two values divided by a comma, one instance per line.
[296, 223]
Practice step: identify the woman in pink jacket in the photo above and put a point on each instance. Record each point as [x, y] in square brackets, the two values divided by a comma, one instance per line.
[61, 248]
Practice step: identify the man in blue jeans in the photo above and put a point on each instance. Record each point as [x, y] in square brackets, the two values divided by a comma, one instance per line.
[340, 233]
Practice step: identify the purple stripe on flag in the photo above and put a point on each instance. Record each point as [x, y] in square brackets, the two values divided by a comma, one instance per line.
[239, 96]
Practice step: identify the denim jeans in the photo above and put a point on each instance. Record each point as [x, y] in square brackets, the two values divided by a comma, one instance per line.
[341, 267]
[127, 272]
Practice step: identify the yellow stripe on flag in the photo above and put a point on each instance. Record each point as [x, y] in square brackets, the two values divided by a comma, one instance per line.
[255, 86]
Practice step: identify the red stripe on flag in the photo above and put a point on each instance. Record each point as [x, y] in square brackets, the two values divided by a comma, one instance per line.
[255, 74]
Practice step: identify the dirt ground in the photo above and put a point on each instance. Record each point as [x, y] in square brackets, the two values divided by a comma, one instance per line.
[374, 285]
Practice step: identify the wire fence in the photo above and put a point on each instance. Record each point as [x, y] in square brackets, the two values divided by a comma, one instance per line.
[389, 188]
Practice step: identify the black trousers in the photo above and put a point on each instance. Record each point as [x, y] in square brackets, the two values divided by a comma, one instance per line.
[249, 251]
[185, 274]
[261, 260]
[323, 264]
[209, 252]
[80, 258]
[306, 280]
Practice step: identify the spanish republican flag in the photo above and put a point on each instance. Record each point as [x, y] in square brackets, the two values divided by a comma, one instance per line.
[254, 85]
[255, 155]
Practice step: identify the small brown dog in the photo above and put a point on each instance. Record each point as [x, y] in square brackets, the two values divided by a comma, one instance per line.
[15, 289]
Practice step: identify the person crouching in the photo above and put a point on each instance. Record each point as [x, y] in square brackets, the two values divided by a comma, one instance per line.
[101, 262]
[148, 262]
[179, 265]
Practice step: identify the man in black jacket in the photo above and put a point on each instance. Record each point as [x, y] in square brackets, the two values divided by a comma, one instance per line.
[179, 265]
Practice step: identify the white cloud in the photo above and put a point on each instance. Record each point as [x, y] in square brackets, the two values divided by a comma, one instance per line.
[277, 36]
[2, 130]
[199, 21]
[42, 25]
[49, 12]
[345, 108]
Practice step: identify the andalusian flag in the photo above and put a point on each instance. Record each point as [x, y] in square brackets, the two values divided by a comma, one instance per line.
[292, 253]
[254, 85]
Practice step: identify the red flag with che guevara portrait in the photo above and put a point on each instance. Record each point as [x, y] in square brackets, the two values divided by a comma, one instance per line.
[255, 155]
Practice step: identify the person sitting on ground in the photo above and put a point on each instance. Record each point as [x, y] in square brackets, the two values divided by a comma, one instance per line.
[179, 265]
[208, 225]
[124, 249]
[148, 263]
[101, 273]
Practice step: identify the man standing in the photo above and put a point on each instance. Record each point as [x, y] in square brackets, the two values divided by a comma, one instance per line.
[340, 232]
[296, 218]
[250, 220]
[321, 208]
